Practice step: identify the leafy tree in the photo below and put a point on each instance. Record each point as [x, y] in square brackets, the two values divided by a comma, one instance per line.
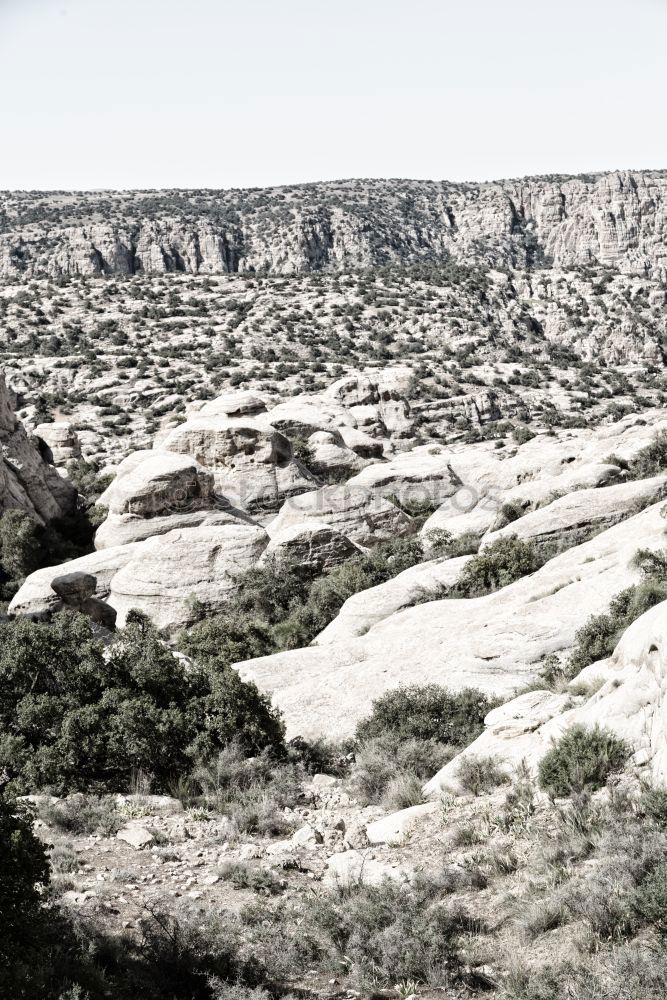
[75, 714]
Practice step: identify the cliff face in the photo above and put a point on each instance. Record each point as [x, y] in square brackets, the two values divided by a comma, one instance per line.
[616, 219]
[27, 482]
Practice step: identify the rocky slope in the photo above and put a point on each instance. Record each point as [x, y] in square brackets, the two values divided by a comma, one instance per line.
[616, 219]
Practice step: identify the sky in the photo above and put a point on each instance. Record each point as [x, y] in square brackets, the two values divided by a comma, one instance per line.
[250, 93]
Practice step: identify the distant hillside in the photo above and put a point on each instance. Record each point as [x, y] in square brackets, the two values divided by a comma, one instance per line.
[616, 219]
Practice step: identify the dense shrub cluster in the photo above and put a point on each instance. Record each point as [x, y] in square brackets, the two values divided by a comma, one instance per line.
[581, 759]
[75, 714]
[410, 734]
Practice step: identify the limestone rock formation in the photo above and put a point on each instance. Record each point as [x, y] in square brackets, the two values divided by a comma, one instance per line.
[611, 218]
[629, 700]
[167, 573]
[37, 598]
[495, 643]
[27, 481]
[317, 548]
[355, 512]
[252, 464]
[61, 440]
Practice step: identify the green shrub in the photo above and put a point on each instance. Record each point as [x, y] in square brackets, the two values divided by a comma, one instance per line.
[391, 932]
[498, 565]
[427, 712]
[76, 714]
[651, 460]
[582, 758]
[597, 639]
[480, 774]
[651, 897]
[382, 762]
[280, 607]
[80, 815]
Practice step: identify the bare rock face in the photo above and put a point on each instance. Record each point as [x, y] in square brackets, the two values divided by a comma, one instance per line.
[61, 440]
[27, 482]
[251, 463]
[167, 573]
[363, 517]
[156, 492]
[317, 548]
[235, 403]
[421, 476]
[328, 455]
[161, 483]
[577, 516]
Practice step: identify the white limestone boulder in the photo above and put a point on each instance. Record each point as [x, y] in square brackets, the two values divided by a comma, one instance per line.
[363, 517]
[252, 463]
[317, 548]
[37, 597]
[167, 573]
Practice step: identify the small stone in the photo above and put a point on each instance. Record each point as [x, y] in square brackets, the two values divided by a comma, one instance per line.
[307, 836]
[136, 836]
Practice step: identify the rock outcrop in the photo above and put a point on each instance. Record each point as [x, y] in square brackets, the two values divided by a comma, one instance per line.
[495, 643]
[61, 441]
[27, 481]
[362, 516]
[252, 464]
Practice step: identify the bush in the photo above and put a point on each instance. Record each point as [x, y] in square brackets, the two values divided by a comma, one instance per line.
[391, 932]
[651, 897]
[427, 712]
[581, 759]
[598, 638]
[385, 770]
[76, 714]
[480, 774]
[498, 565]
[79, 815]
[281, 607]
[651, 460]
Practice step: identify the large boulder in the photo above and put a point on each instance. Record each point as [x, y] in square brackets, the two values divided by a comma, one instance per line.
[317, 548]
[234, 403]
[36, 597]
[60, 440]
[161, 483]
[167, 574]
[329, 456]
[361, 516]
[495, 643]
[422, 477]
[302, 416]
[252, 463]
[157, 493]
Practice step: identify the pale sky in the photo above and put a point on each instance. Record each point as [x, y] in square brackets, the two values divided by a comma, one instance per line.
[215, 93]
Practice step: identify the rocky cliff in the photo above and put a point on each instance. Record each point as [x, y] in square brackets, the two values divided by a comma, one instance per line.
[27, 481]
[615, 219]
